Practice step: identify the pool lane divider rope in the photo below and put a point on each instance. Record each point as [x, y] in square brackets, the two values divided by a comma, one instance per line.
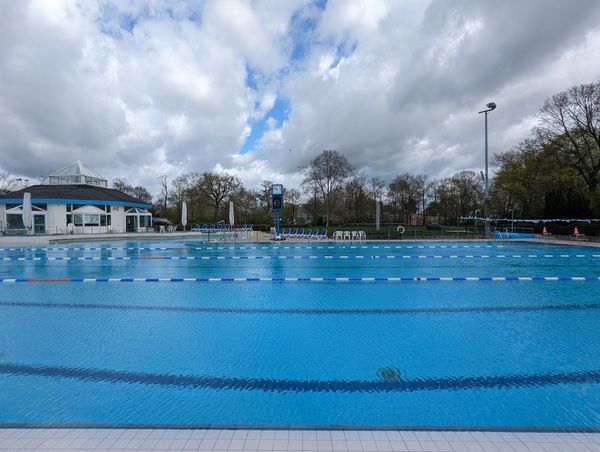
[297, 257]
[274, 247]
[305, 280]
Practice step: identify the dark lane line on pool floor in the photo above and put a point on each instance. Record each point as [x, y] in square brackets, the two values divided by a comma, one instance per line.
[400, 384]
[370, 311]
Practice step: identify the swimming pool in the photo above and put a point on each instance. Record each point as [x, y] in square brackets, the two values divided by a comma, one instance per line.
[180, 333]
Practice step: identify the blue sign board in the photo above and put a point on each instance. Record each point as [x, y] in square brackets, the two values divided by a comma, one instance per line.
[277, 203]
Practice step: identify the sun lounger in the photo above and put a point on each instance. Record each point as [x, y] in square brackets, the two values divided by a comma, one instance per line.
[323, 234]
[578, 238]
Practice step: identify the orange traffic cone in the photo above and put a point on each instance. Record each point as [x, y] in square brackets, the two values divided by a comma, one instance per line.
[576, 231]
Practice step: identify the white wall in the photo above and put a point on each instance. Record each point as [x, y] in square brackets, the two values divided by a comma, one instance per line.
[2, 216]
[56, 217]
[117, 220]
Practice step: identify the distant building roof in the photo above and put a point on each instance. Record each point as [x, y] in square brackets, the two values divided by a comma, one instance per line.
[73, 194]
[76, 173]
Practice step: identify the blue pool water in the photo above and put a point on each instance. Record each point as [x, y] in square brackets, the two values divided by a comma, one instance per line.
[456, 353]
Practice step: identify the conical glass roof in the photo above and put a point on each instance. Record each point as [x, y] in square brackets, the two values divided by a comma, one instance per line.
[76, 173]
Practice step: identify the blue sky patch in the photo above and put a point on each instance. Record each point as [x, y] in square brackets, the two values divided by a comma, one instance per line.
[280, 112]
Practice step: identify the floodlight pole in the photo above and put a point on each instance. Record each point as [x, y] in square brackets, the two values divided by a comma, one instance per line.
[486, 197]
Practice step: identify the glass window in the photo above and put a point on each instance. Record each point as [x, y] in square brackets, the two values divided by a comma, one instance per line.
[14, 221]
[69, 219]
[69, 207]
[91, 219]
[78, 219]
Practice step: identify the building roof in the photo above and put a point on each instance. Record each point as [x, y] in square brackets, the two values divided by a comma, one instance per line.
[76, 169]
[73, 194]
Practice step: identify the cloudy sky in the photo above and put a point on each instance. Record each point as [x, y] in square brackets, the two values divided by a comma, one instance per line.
[144, 88]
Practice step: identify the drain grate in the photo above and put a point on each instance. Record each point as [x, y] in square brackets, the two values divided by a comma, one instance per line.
[389, 374]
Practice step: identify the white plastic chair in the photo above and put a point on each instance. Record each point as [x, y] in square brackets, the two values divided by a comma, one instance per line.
[347, 235]
[362, 235]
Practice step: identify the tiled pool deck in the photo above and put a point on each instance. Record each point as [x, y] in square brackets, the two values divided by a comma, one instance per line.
[84, 439]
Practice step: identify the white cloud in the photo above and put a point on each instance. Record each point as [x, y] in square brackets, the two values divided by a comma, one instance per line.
[144, 88]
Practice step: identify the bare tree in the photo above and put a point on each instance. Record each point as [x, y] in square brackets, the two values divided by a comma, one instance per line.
[264, 195]
[466, 192]
[180, 191]
[355, 191]
[142, 194]
[215, 188]
[7, 183]
[121, 184]
[245, 202]
[139, 192]
[422, 186]
[292, 200]
[163, 183]
[404, 195]
[570, 128]
[377, 187]
[326, 172]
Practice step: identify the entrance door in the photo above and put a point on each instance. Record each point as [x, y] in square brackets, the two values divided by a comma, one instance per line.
[39, 224]
[131, 223]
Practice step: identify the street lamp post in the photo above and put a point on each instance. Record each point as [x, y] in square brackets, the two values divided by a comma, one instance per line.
[476, 210]
[512, 221]
[486, 197]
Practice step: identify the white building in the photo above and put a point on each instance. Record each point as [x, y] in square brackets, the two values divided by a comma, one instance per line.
[75, 199]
